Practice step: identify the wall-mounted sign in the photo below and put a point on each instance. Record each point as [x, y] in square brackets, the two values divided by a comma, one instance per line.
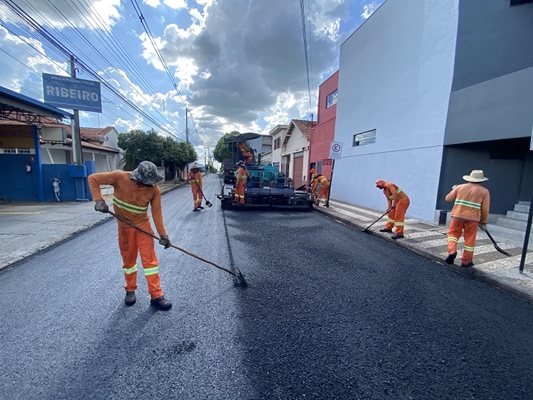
[335, 150]
[15, 136]
[72, 93]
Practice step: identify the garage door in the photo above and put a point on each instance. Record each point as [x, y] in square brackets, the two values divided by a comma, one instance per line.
[298, 170]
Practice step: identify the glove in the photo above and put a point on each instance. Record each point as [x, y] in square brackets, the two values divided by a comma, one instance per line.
[164, 241]
[392, 207]
[101, 206]
[483, 226]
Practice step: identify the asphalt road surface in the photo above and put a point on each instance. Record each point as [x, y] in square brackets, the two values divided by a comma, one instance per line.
[329, 313]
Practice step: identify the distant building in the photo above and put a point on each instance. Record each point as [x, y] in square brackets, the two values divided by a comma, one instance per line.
[323, 133]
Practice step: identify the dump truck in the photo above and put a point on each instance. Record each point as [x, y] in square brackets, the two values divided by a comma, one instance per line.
[267, 187]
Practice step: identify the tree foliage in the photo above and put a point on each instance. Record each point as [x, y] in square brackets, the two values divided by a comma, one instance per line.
[149, 146]
[221, 149]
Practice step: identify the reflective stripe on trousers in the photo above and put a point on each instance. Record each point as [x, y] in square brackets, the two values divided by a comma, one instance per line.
[131, 243]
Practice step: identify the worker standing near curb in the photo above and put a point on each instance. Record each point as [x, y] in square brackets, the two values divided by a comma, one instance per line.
[133, 192]
[323, 191]
[397, 204]
[195, 179]
[242, 176]
[470, 209]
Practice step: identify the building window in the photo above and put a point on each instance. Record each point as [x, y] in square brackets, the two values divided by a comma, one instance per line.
[319, 167]
[363, 138]
[68, 157]
[520, 2]
[277, 143]
[327, 161]
[331, 99]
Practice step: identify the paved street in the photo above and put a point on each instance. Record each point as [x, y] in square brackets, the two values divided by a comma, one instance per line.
[329, 312]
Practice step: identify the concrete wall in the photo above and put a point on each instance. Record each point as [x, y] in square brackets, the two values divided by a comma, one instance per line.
[494, 39]
[492, 95]
[395, 76]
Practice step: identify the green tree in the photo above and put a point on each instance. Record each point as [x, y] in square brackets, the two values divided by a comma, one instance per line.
[221, 149]
[142, 146]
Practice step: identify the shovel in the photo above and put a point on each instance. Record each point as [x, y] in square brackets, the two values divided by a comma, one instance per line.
[366, 230]
[484, 229]
[207, 202]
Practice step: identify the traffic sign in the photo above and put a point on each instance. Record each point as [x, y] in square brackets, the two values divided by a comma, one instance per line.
[335, 150]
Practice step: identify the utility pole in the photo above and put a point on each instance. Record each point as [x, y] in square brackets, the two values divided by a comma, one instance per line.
[75, 127]
[76, 146]
[206, 149]
[186, 125]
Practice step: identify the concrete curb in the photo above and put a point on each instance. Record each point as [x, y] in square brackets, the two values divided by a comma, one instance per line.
[72, 234]
[470, 272]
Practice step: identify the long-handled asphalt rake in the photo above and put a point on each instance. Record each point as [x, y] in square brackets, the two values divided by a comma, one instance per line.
[484, 229]
[366, 230]
[237, 274]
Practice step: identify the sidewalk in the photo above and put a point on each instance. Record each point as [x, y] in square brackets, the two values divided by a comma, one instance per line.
[431, 241]
[26, 229]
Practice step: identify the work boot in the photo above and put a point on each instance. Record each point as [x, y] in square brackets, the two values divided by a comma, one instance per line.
[200, 207]
[470, 264]
[161, 303]
[451, 258]
[396, 237]
[386, 230]
[196, 209]
[130, 298]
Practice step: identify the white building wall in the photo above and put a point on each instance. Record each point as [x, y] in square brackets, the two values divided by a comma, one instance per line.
[297, 143]
[395, 76]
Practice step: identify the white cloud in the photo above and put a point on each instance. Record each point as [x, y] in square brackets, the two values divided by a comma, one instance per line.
[90, 14]
[368, 9]
[237, 57]
[174, 4]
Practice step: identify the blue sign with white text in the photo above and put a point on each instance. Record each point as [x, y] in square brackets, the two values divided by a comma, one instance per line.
[72, 93]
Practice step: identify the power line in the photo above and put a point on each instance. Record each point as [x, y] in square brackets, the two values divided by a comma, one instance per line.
[65, 51]
[302, 10]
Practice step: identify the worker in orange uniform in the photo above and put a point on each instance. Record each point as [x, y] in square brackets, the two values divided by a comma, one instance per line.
[245, 152]
[470, 209]
[195, 179]
[397, 205]
[133, 192]
[242, 176]
[323, 192]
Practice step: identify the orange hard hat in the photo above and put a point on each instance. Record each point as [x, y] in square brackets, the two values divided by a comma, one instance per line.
[380, 182]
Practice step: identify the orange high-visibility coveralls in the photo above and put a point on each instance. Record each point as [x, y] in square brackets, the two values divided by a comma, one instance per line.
[324, 188]
[130, 201]
[245, 151]
[471, 207]
[398, 198]
[195, 179]
[242, 175]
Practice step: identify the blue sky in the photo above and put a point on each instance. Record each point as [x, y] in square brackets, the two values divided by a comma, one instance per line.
[237, 64]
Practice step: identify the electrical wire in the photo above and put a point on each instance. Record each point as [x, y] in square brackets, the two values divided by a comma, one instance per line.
[302, 11]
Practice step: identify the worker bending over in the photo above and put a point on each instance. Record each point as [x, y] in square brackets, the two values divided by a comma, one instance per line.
[323, 192]
[397, 205]
[133, 192]
[195, 179]
[470, 209]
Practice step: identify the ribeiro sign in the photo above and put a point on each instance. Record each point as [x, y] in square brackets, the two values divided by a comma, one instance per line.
[72, 93]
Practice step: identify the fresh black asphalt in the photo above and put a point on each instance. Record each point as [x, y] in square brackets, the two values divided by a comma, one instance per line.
[329, 313]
